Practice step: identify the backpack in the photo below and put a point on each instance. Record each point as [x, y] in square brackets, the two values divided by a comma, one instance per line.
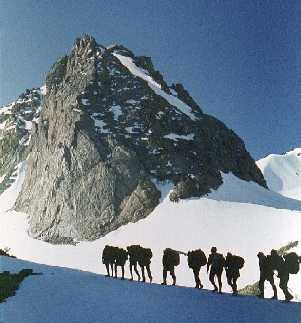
[106, 254]
[148, 253]
[196, 258]
[172, 257]
[238, 262]
[292, 262]
[133, 249]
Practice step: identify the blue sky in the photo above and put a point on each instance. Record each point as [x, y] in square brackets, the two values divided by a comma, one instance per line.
[241, 60]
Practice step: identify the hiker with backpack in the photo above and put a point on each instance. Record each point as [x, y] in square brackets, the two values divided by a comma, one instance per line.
[233, 264]
[108, 259]
[170, 260]
[196, 259]
[144, 260]
[286, 265]
[216, 261]
[133, 252]
[121, 257]
[291, 266]
[266, 273]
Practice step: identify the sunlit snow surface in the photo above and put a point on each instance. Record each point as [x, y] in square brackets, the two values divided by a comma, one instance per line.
[62, 295]
[221, 219]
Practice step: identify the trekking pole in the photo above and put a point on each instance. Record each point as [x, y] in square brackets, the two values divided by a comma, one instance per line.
[181, 252]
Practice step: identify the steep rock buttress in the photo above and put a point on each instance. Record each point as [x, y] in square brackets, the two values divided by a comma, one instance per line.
[110, 127]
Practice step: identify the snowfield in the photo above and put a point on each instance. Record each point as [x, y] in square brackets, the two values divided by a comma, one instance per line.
[283, 173]
[65, 295]
[240, 217]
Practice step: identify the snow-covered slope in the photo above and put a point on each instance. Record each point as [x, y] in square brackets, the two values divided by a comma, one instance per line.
[283, 173]
[8, 197]
[65, 295]
[240, 217]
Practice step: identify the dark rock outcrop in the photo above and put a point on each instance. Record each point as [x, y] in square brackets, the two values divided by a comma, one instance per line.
[106, 135]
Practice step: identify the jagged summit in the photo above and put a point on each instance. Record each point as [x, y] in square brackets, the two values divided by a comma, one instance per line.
[86, 41]
[111, 128]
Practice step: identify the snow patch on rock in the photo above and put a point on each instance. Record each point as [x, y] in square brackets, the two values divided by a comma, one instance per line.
[117, 112]
[139, 72]
[175, 136]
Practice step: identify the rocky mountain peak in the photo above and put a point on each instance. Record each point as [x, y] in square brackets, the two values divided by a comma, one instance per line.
[84, 44]
[109, 131]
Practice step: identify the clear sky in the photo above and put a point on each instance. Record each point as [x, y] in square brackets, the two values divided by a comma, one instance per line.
[241, 60]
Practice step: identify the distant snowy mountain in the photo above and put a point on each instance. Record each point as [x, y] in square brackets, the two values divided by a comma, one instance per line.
[283, 173]
[64, 295]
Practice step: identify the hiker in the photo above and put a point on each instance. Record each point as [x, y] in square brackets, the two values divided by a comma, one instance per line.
[216, 261]
[121, 257]
[108, 259]
[144, 261]
[286, 265]
[291, 266]
[133, 252]
[232, 266]
[196, 259]
[170, 260]
[266, 273]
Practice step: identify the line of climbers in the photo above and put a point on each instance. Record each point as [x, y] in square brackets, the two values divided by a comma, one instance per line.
[113, 257]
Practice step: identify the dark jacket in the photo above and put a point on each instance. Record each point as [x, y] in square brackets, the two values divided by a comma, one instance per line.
[265, 266]
[216, 261]
[134, 253]
[108, 255]
[171, 258]
[145, 256]
[121, 257]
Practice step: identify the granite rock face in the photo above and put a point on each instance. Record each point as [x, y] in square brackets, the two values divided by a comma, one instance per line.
[109, 130]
